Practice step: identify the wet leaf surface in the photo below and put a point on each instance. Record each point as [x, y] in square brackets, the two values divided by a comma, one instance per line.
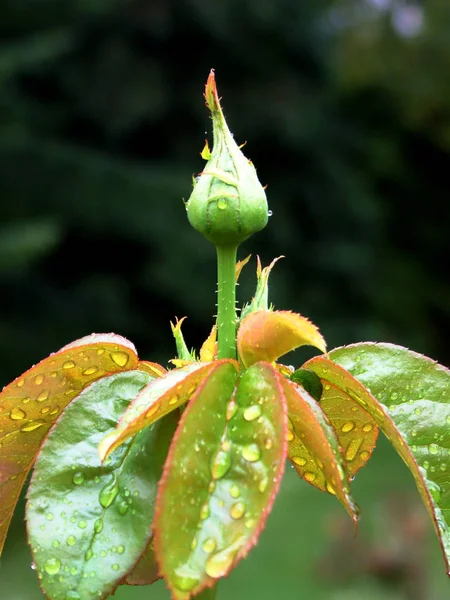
[89, 524]
[220, 480]
[31, 404]
[161, 396]
[410, 401]
[314, 448]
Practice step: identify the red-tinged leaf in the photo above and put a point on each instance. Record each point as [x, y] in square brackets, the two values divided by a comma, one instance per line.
[30, 405]
[146, 570]
[314, 447]
[221, 477]
[161, 396]
[356, 430]
[410, 401]
[266, 335]
[88, 524]
[152, 368]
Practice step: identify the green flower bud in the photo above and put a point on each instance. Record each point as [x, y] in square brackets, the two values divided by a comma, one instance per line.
[228, 203]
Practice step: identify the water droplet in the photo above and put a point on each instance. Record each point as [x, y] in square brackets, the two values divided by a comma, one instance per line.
[221, 464]
[237, 511]
[32, 425]
[263, 484]
[49, 516]
[115, 567]
[152, 409]
[418, 411]
[120, 358]
[123, 508]
[194, 543]
[43, 396]
[204, 512]
[71, 540]
[78, 478]
[352, 449]
[55, 544]
[89, 554]
[120, 549]
[69, 364]
[268, 444]
[109, 492]
[90, 371]
[298, 460]
[364, 455]
[269, 213]
[289, 436]
[433, 448]
[39, 379]
[82, 524]
[185, 583]
[251, 453]
[72, 595]
[222, 203]
[394, 396]
[21, 383]
[252, 412]
[219, 564]
[52, 566]
[309, 476]
[17, 414]
[347, 426]
[98, 525]
[209, 545]
[435, 490]
[235, 492]
[232, 409]
[330, 488]
[368, 427]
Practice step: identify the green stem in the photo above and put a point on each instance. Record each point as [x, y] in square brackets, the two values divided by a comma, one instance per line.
[207, 594]
[226, 301]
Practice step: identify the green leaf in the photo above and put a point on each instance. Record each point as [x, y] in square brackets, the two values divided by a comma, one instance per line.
[157, 399]
[89, 524]
[145, 571]
[221, 477]
[314, 448]
[32, 402]
[410, 401]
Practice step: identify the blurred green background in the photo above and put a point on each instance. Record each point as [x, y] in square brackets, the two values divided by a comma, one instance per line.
[345, 107]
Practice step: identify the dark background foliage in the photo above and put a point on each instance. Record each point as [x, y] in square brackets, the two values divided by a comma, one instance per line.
[344, 105]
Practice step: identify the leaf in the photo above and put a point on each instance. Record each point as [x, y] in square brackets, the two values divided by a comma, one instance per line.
[314, 448]
[221, 477]
[260, 300]
[31, 403]
[208, 350]
[356, 430]
[266, 335]
[145, 571]
[157, 399]
[89, 524]
[153, 369]
[410, 401]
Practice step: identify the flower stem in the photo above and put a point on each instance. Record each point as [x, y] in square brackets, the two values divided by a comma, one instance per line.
[226, 301]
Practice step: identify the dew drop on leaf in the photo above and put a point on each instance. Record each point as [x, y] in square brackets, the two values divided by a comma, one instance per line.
[368, 427]
[72, 595]
[252, 412]
[109, 492]
[71, 540]
[17, 414]
[235, 492]
[78, 478]
[218, 564]
[123, 508]
[32, 426]
[433, 448]
[209, 545]
[221, 464]
[185, 583]
[298, 460]
[237, 511]
[52, 566]
[204, 512]
[98, 525]
[120, 358]
[251, 453]
[347, 426]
